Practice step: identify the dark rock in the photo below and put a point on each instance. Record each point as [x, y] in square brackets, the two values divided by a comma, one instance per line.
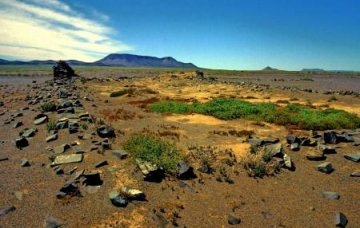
[327, 149]
[344, 138]
[325, 167]
[117, 199]
[92, 178]
[4, 211]
[21, 142]
[69, 189]
[151, 172]
[330, 195]
[274, 150]
[315, 134]
[185, 171]
[58, 170]
[105, 131]
[25, 163]
[62, 124]
[120, 154]
[73, 127]
[308, 142]
[353, 157]
[233, 220]
[101, 163]
[330, 137]
[105, 144]
[206, 168]
[290, 139]
[340, 220]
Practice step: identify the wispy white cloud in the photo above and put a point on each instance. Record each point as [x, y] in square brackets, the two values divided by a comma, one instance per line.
[50, 29]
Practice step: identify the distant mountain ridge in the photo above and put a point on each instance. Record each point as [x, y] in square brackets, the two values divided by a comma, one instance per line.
[125, 60]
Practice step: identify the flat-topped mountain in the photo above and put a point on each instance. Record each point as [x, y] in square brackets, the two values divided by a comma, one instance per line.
[125, 60]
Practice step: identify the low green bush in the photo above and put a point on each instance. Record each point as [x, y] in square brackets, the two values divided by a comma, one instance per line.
[291, 115]
[154, 150]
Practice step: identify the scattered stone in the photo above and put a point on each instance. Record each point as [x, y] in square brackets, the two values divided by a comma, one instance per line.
[58, 170]
[133, 194]
[62, 148]
[340, 220]
[290, 139]
[105, 131]
[117, 199]
[295, 146]
[101, 163]
[5, 211]
[25, 163]
[92, 189]
[206, 168]
[325, 167]
[52, 137]
[3, 158]
[151, 172]
[233, 220]
[92, 178]
[71, 158]
[17, 124]
[309, 142]
[261, 142]
[105, 144]
[185, 171]
[355, 174]
[73, 127]
[287, 161]
[330, 137]
[78, 149]
[120, 154]
[28, 132]
[21, 142]
[353, 157]
[344, 138]
[40, 120]
[330, 195]
[62, 123]
[274, 150]
[69, 189]
[52, 222]
[327, 149]
[315, 156]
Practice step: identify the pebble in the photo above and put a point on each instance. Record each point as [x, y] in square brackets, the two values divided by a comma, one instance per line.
[325, 167]
[233, 220]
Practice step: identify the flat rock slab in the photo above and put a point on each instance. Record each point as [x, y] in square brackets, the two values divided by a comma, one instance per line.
[315, 156]
[41, 120]
[51, 138]
[120, 154]
[62, 148]
[325, 167]
[65, 159]
[353, 157]
[330, 195]
[355, 174]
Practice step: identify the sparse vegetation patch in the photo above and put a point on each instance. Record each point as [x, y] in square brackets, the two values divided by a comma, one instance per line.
[155, 150]
[290, 115]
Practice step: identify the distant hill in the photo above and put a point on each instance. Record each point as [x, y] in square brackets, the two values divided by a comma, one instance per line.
[313, 70]
[125, 60]
[141, 61]
[269, 68]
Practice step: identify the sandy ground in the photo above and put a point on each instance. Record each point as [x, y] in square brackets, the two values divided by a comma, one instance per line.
[288, 199]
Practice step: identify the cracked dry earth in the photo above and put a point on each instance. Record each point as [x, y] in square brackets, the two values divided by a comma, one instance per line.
[289, 198]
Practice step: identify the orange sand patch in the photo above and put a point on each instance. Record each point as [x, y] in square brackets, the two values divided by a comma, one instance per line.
[239, 149]
[195, 119]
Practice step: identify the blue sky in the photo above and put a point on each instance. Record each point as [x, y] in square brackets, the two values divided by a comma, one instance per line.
[228, 34]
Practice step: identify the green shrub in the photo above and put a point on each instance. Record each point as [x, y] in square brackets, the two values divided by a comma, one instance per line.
[154, 150]
[293, 114]
[51, 125]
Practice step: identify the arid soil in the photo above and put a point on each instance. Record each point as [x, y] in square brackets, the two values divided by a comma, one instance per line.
[289, 198]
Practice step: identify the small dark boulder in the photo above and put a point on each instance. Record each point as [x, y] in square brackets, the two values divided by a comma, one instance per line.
[330, 137]
[340, 220]
[105, 131]
[185, 171]
[233, 220]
